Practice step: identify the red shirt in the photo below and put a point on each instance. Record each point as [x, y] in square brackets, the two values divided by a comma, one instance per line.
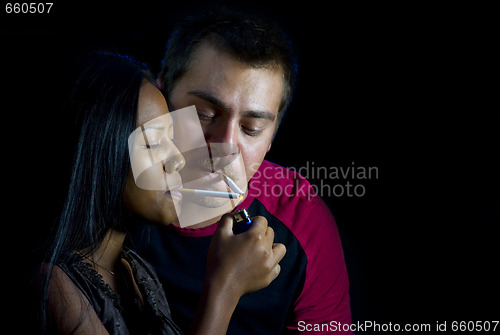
[312, 290]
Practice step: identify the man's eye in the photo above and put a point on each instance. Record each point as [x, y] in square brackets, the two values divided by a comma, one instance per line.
[252, 132]
[206, 117]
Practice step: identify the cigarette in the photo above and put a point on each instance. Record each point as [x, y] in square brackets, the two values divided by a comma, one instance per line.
[215, 194]
[231, 184]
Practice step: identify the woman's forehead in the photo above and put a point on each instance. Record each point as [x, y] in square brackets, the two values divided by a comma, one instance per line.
[151, 105]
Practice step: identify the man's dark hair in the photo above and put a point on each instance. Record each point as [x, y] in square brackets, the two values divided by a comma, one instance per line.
[250, 40]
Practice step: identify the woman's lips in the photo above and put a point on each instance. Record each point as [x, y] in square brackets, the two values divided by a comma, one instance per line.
[175, 191]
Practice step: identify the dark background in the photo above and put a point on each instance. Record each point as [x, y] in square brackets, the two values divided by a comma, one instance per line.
[411, 90]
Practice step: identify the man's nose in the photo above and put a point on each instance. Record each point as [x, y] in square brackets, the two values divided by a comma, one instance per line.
[225, 131]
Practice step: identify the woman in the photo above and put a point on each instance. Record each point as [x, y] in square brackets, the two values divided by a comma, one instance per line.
[93, 285]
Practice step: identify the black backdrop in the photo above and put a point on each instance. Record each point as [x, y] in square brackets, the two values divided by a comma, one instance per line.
[410, 90]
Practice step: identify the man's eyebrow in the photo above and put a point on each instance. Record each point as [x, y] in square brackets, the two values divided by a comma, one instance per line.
[220, 104]
[210, 98]
[260, 115]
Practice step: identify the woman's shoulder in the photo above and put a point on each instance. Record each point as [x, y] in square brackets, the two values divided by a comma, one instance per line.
[75, 272]
[69, 305]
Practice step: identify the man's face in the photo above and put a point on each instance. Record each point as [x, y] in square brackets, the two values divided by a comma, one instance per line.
[236, 103]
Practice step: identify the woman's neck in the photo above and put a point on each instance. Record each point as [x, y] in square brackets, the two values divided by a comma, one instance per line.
[108, 255]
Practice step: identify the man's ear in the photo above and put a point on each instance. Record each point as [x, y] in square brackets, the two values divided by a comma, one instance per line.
[160, 84]
[269, 147]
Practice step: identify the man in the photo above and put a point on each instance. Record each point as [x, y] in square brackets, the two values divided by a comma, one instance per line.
[240, 74]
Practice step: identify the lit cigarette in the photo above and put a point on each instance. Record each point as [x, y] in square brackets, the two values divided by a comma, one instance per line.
[231, 184]
[215, 194]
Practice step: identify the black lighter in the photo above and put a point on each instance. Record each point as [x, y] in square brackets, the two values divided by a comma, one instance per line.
[242, 221]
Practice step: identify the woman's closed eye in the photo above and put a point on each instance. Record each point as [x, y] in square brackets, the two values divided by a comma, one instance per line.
[151, 146]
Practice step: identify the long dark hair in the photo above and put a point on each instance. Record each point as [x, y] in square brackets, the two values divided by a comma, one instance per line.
[104, 101]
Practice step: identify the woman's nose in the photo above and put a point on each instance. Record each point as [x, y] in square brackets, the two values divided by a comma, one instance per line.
[174, 164]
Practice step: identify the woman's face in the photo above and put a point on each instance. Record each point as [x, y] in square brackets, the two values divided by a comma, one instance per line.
[152, 186]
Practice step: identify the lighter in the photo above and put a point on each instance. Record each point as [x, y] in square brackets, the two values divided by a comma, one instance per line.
[242, 221]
